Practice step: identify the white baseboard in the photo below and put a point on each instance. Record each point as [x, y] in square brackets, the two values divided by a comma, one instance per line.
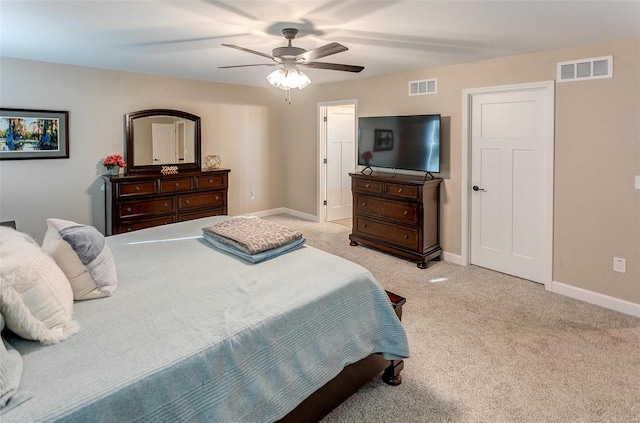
[452, 258]
[612, 303]
[285, 210]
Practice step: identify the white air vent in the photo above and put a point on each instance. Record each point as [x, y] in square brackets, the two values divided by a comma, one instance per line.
[578, 70]
[423, 87]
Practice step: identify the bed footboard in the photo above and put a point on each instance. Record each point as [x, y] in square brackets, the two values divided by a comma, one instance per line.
[349, 381]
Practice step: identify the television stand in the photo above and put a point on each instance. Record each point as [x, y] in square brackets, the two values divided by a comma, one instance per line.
[397, 214]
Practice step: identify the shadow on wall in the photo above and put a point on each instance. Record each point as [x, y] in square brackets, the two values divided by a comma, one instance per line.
[96, 191]
[445, 147]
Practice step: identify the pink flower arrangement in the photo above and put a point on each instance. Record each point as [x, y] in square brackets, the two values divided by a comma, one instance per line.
[114, 160]
[367, 155]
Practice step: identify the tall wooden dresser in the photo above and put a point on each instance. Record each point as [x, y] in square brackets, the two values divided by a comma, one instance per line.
[398, 214]
[141, 201]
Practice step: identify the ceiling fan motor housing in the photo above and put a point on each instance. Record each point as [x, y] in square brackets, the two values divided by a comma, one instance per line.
[284, 53]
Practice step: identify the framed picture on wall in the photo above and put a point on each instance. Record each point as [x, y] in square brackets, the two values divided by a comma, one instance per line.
[383, 140]
[34, 134]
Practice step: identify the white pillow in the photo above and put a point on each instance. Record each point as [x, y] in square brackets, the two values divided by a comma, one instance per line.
[10, 370]
[83, 255]
[35, 296]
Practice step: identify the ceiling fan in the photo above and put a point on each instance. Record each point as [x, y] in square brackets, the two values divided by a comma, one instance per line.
[290, 57]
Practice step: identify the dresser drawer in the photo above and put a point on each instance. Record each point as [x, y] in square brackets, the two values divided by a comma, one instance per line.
[196, 201]
[372, 206]
[134, 225]
[373, 187]
[176, 185]
[146, 208]
[396, 235]
[198, 214]
[212, 181]
[127, 189]
[404, 191]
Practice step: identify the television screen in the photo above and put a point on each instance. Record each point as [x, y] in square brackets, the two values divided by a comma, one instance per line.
[400, 142]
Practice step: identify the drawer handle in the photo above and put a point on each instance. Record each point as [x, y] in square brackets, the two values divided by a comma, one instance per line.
[406, 212]
[210, 181]
[364, 204]
[400, 191]
[217, 197]
[129, 229]
[137, 187]
[166, 205]
[406, 236]
[187, 201]
[129, 209]
[367, 186]
[364, 225]
[176, 185]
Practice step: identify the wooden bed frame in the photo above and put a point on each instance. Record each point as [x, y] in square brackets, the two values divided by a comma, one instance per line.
[349, 381]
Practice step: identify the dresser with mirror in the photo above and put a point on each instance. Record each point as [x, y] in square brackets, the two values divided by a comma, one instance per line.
[163, 181]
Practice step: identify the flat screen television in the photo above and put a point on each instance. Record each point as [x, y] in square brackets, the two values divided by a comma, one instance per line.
[400, 142]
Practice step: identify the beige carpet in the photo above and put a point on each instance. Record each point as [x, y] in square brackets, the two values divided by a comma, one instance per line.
[488, 347]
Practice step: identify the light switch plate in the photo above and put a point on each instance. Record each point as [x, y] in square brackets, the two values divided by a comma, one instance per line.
[637, 182]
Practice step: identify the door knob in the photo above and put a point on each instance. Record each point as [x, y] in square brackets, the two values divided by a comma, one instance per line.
[475, 188]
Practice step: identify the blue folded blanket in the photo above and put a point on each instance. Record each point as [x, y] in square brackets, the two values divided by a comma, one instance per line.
[258, 257]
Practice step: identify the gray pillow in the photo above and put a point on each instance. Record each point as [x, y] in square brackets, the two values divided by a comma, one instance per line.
[84, 257]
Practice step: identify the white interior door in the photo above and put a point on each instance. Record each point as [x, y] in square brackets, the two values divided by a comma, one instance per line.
[340, 134]
[509, 171]
[164, 143]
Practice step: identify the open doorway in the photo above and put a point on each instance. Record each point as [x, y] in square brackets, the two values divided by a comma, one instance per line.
[337, 155]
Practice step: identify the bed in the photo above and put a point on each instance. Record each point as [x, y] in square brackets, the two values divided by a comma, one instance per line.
[193, 333]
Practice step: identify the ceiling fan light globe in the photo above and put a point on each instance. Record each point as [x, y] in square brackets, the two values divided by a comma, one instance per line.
[276, 78]
[303, 80]
[287, 79]
[295, 79]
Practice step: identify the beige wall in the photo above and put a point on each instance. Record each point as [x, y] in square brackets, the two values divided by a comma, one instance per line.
[597, 153]
[271, 147]
[241, 124]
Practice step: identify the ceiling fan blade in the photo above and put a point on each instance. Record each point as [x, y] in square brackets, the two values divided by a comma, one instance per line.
[244, 66]
[268, 56]
[333, 66]
[322, 51]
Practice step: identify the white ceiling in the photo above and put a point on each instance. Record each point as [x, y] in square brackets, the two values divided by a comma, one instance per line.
[183, 38]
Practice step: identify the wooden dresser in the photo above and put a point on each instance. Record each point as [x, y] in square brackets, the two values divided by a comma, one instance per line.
[398, 214]
[140, 201]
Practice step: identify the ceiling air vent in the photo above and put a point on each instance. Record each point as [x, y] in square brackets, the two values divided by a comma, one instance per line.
[578, 70]
[423, 87]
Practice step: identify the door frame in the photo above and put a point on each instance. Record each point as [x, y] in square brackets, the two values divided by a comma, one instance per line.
[321, 211]
[467, 96]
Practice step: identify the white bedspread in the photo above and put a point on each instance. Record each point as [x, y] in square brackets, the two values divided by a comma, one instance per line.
[193, 334]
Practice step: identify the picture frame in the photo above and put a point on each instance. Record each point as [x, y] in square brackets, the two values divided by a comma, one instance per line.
[383, 140]
[34, 134]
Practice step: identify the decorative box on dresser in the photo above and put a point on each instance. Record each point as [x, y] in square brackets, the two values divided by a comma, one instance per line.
[398, 214]
[141, 201]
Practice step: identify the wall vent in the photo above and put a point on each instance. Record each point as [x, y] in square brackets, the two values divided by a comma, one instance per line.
[423, 87]
[579, 70]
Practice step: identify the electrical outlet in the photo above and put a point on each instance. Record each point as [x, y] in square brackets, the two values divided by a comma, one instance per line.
[253, 195]
[619, 265]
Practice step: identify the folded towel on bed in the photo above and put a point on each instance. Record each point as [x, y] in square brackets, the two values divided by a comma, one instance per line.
[250, 234]
[255, 258]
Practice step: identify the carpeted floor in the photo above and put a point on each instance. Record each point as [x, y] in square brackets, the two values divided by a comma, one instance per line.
[488, 347]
